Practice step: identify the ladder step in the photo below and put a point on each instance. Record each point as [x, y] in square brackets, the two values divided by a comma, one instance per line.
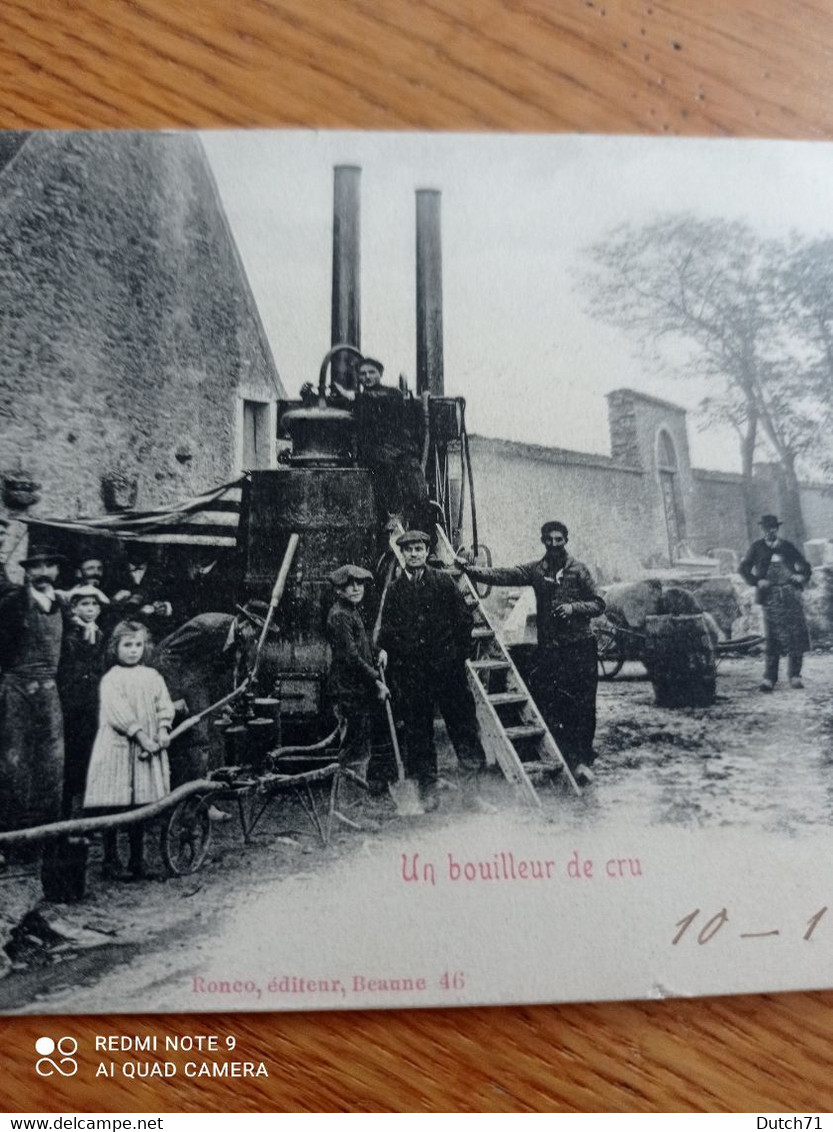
[470, 599]
[482, 634]
[541, 770]
[524, 731]
[479, 665]
[499, 698]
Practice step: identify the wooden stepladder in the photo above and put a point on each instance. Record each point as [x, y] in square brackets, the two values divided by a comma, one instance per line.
[513, 731]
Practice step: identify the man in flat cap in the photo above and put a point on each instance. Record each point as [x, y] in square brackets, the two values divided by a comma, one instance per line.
[32, 618]
[390, 428]
[779, 572]
[426, 630]
[370, 374]
[566, 677]
[354, 682]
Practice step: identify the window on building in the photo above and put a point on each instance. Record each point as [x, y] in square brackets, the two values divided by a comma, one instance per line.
[257, 440]
[669, 482]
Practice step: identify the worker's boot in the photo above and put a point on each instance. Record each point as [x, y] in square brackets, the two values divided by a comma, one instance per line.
[112, 867]
[136, 865]
[429, 797]
[473, 801]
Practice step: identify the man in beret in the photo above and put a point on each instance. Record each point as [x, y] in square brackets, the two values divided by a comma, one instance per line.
[426, 630]
[779, 572]
[566, 677]
[32, 618]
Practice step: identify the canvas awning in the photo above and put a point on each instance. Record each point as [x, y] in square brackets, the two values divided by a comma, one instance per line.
[210, 519]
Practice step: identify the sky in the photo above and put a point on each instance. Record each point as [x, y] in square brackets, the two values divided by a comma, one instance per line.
[518, 213]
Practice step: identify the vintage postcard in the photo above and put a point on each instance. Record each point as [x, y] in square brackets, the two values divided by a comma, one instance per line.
[417, 579]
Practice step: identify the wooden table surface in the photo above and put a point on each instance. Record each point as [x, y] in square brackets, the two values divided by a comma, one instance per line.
[694, 67]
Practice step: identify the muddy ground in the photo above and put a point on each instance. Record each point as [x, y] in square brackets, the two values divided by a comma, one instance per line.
[751, 760]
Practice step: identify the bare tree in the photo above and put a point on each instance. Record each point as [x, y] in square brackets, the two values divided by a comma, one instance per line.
[709, 298]
[804, 286]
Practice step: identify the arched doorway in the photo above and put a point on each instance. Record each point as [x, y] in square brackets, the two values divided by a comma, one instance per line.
[669, 482]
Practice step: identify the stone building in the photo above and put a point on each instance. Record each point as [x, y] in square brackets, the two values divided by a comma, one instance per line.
[642, 507]
[134, 369]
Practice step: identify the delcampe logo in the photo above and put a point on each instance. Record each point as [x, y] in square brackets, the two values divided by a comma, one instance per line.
[47, 1065]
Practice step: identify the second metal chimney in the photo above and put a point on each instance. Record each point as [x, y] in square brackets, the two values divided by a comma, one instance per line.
[429, 293]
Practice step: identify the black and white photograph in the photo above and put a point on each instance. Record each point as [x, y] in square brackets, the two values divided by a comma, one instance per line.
[416, 569]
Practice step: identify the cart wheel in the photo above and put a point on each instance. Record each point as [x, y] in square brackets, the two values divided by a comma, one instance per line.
[610, 659]
[186, 836]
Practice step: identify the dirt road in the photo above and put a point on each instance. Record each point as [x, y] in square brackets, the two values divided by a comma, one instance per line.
[755, 761]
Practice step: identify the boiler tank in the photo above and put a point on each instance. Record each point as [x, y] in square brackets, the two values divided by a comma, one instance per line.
[332, 510]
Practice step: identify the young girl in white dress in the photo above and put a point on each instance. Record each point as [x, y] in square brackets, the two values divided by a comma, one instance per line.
[129, 762]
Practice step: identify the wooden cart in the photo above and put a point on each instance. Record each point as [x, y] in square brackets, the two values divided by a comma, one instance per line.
[185, 825]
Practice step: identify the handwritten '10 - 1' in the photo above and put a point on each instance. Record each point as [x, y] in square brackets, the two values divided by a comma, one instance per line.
[717, 921]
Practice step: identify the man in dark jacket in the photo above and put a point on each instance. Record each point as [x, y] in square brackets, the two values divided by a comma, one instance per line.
[390, 433]
[354, 681]
[779, 573]
[201, 580]
[426, 631]
[144, 594]
[566, 675]
[32, 619]
[79, 675]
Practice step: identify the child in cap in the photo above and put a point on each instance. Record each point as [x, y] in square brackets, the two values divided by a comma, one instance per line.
[354, 679]
[79, 674]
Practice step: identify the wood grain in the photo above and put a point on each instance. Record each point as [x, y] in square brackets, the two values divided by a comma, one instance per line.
[710, 67]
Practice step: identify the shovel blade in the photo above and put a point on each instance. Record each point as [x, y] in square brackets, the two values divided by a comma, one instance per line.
[406, 798]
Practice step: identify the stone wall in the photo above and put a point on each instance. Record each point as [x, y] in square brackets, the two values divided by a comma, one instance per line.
[520, 486]
[718, 515]
[127, 326]
[817, 509]
[615, 511]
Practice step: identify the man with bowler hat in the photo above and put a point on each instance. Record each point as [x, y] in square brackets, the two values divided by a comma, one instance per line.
[32, 618]
[565, 678]
[779, 572]
[426, 631]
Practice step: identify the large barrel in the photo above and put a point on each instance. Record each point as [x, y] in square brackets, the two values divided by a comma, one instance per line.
[680, 659]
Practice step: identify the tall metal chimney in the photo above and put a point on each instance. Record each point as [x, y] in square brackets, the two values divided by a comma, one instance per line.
[346, 311]
[429, 293]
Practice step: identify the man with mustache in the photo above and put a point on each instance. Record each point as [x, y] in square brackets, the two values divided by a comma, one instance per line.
[565, 677]
[90, 571]
[32, 618]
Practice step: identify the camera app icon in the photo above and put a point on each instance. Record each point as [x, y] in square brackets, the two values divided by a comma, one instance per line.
[63, 1063]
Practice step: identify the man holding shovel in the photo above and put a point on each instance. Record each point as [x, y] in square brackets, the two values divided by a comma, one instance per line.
[355, 681]
[426, 629]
